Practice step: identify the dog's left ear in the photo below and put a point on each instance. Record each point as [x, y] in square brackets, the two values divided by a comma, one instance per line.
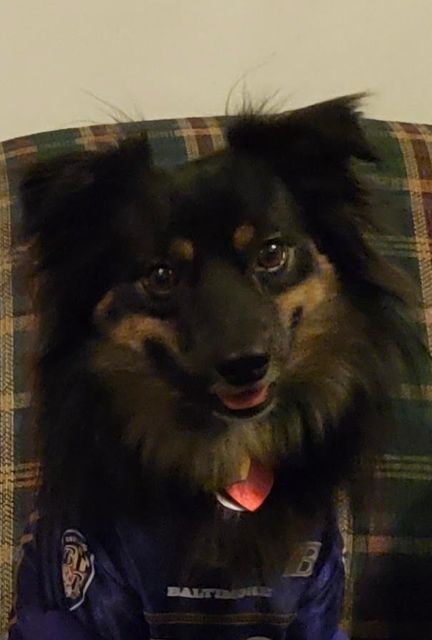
[305, 140]
[311, 151]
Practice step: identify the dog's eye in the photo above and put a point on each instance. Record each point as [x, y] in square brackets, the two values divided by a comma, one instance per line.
[161, 280]
[273, 255]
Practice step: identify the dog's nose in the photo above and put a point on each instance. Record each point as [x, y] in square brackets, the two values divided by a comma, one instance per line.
[244, 369]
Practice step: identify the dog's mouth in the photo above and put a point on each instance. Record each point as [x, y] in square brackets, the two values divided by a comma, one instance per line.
[244, 403]
[255, 480]
[246, 399]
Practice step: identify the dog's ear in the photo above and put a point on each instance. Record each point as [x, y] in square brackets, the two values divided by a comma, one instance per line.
[58, 191]
[83, 224]
[311, 151]
[306, 139]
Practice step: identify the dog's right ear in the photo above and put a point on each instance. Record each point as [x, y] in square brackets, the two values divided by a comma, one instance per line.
[79, 224]
[53, 191]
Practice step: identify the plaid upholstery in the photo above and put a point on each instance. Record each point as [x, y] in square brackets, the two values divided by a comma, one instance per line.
[389, 548]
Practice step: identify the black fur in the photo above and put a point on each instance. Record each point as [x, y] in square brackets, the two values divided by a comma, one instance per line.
[127, 432]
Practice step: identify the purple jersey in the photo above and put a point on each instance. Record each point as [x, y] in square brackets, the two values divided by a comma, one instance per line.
[122, 586]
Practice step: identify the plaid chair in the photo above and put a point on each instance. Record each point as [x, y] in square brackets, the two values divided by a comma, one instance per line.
[389, 549]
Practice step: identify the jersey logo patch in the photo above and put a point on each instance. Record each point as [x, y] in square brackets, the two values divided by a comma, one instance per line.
[302, 561]
[77, 567]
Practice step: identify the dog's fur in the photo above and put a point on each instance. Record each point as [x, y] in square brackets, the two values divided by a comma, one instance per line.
[127, 421]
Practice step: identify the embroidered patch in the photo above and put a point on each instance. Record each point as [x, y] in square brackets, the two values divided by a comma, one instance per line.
[77, 567]
[302, 561]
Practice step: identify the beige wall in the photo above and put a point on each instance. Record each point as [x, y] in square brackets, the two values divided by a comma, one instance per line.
[168, 58]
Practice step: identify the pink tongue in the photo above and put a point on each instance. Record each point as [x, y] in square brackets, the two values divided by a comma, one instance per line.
[245, 399]
[251, 493]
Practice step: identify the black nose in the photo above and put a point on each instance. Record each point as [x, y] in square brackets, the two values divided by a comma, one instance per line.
[244, 369]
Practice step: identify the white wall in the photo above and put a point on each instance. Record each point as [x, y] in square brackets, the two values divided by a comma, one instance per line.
[169, 58]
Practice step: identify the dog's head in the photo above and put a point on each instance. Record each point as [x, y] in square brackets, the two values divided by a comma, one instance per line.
[219, 322]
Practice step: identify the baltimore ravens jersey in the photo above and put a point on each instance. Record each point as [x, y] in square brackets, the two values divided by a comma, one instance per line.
[73, 585]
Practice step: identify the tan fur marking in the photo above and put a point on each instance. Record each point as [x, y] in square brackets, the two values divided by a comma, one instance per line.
[103, 305]
[318, 288]
[183, 249]
[242, 236]
[328, 339]
[133, 330]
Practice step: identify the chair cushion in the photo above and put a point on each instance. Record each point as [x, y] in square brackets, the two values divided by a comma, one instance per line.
[389, 547]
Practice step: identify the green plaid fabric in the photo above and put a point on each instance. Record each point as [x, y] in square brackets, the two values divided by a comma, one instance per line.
[388, 548]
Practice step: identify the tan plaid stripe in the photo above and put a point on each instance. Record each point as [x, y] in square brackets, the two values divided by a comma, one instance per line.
[418, 185]
[345, 522]
[94, 138]
[20, 323]
[6, 552]
[25, 148]
[405, 468]
[26, 538]
[419, 221]
[216, 133]
[87, 139]
[405, 184]
[6, 401]
[12, 402]
[390, 182]
[25, 475]
[421, 132]
[402, 246]
[389, 457]
[193, 136]
[378, 545]
[416, 392]
[190, 139]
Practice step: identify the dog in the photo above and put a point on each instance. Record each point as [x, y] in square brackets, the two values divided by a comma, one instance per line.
[216, 346]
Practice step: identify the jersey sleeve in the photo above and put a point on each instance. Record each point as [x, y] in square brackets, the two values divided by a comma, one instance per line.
[68, 589]
[320, 608]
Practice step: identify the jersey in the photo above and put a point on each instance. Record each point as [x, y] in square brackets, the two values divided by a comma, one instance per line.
[73, 585]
